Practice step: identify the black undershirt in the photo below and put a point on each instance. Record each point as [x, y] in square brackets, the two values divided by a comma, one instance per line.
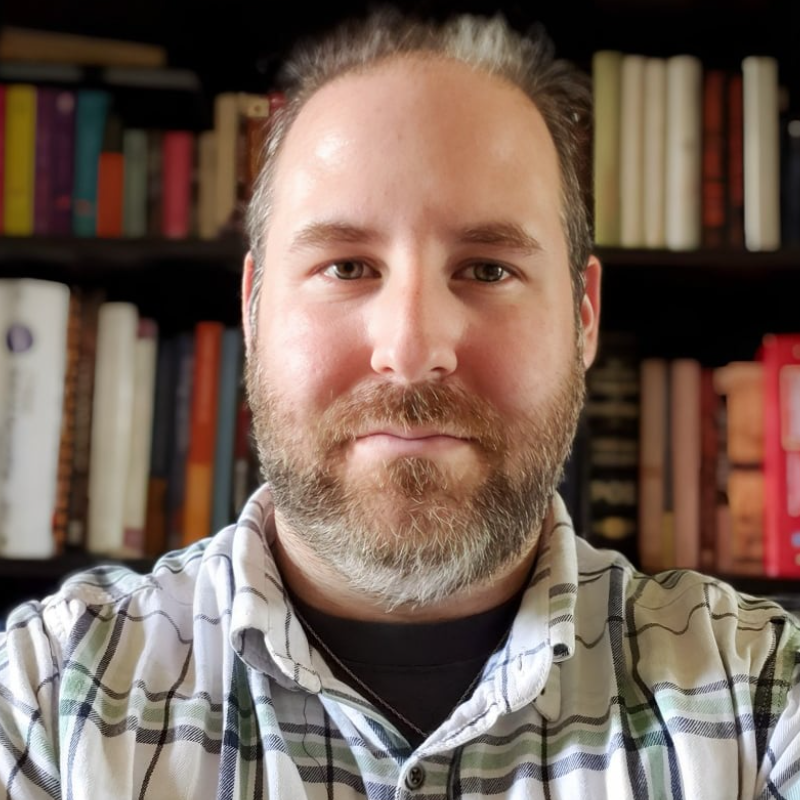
[421, 669]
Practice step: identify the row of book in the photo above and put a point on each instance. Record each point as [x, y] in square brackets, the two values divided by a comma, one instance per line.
[695, 466]
[115, 440]
[71, 165]
[688, 157]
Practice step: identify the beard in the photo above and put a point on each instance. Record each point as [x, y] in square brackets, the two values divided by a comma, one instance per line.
[410, 533]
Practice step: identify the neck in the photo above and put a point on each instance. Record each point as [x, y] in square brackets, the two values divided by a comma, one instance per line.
[321, 587]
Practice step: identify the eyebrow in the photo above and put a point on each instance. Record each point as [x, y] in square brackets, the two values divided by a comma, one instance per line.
[319, 234]
[508, 235]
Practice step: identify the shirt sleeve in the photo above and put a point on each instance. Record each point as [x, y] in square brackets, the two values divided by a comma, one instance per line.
[780, 767]
[29, 679]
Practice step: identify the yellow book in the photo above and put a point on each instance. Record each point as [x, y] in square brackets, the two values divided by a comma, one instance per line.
[20, 159]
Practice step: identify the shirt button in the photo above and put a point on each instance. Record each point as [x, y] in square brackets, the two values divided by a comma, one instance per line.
[415, 777]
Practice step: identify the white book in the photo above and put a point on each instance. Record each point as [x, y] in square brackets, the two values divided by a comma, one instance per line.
[762, 224]
[141, 439]
[606, 88]
[34, 316]
[112, 419]
[684, 152]
[631, 168]
[655, 134]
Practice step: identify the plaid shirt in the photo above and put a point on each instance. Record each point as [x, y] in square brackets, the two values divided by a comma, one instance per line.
[197, 681]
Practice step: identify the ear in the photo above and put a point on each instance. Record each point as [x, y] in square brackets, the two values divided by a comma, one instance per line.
[247, 293]
[590, 310]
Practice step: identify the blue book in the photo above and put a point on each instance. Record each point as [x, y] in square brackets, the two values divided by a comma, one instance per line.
[230, 380]
[90, 122]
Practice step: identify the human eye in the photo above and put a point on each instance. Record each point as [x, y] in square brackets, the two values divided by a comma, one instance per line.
[347, 270]
[487, 272]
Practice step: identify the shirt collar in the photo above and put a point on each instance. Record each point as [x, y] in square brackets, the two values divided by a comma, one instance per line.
[268, 636]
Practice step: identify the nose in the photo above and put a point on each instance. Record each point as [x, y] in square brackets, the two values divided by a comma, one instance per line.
[416, 325]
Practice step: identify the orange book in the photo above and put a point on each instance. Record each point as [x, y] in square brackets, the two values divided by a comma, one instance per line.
[110, 180]
[202, 432]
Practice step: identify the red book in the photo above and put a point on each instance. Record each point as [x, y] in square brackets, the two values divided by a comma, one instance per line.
[735, 121]
[176, 183]
[715, 161]
[780, 355]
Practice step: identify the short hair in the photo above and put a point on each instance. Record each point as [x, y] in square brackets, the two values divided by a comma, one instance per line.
[560, 91]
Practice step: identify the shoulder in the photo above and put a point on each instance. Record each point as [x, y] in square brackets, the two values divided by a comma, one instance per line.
[114, 593]
[703, 617]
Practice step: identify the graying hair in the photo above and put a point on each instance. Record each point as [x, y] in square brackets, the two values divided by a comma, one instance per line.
[560, 91]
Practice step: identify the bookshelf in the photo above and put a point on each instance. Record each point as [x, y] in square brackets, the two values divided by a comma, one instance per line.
[713, 304]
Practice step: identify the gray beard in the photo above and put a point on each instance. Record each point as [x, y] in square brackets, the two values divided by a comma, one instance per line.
[405, 536]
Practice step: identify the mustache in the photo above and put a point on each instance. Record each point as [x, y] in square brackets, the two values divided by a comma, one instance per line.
[449, 408]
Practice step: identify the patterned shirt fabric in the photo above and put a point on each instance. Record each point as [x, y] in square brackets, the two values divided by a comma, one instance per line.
[197, 681]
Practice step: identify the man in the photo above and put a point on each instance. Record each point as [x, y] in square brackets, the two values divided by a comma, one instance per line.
[403, 610]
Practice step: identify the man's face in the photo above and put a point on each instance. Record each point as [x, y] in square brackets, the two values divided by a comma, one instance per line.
[418, 372]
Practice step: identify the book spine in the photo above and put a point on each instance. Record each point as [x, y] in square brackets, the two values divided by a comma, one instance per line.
[780, 355]
[176, 185]
[655, 133]
[202, 433]
[112, 418]
[46, 99]
[91, 300]
[606, 87]
[631, 191]
[230, 380]
[32, 378]
[133, 539]
[761, 154]
[63, 163]
[715, 159]
[684, 143]
[134, 214]
[20, 159]
[90, 122]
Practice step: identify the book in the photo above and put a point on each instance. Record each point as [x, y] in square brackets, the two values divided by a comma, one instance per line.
[686, 438]
[631, 182]
[714, 179]
[44, 165]
[34, 318]
[762, 223]
[134, 203]
[19, 159]
[228, 390]
[176, 183]
[110, 180]
[780, 356]
[63, 181]
[90, 124]
[202, 431]
[655, 159]
[138, 473]
[653, 462]
[18, 43]
[112, 421]
[683, 153]
[606, 88]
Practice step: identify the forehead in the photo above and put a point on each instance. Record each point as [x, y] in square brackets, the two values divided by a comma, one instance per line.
[424, 100]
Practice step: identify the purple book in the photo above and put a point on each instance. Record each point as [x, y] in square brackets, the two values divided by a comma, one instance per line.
[43, 183]
[63, 155]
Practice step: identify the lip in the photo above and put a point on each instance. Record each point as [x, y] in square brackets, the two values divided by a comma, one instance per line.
[390, 443]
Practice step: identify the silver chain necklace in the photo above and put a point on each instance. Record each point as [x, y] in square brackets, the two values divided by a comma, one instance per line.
[373, 695]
